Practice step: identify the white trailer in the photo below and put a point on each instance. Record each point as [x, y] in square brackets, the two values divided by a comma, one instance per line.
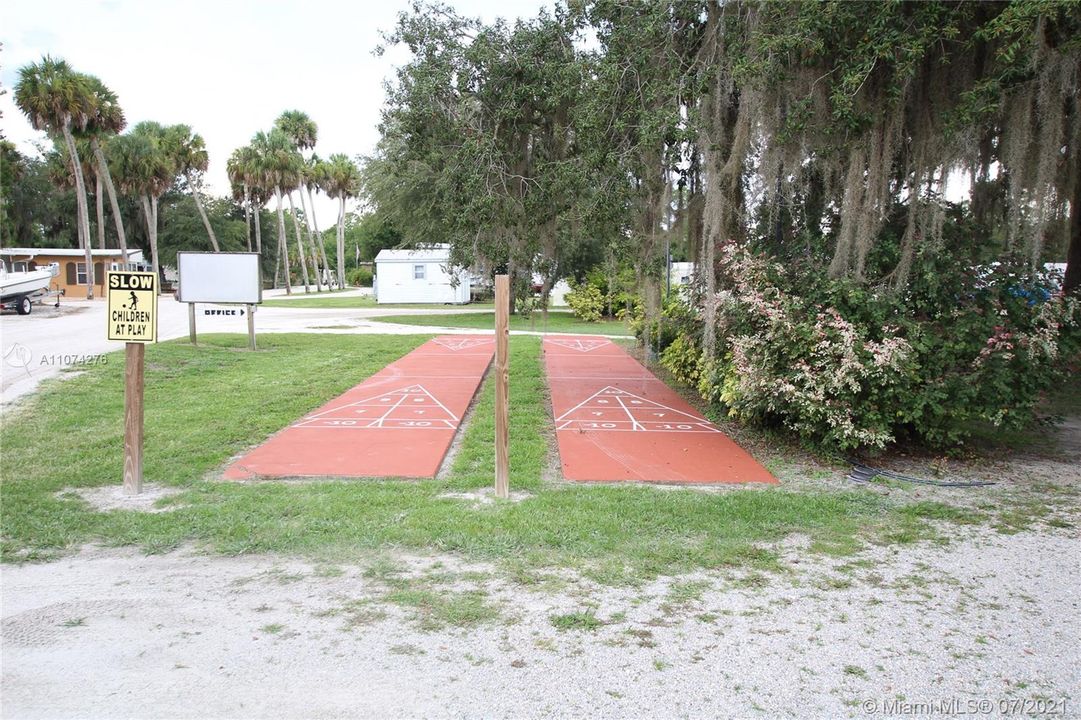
[419, 276]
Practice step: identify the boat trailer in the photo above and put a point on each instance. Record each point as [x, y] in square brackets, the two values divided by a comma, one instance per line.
[24, 302]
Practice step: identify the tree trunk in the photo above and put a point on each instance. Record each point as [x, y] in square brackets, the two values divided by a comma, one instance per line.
[277, 268]
[981, 183]
[154, 243]
[320, 244]
[300, 243]
[649, 286]
[258, 212]
[341, 242]
[103, 173]
[1072, 282]
[546, 291]
[99, 207]
[695, 218]
[78, 224]
[202, 214]
[150, 211]
[283, 246]
[247, 214]
[311, 237]
[83, 211]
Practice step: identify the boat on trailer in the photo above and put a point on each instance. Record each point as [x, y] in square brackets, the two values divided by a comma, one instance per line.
[21, 289]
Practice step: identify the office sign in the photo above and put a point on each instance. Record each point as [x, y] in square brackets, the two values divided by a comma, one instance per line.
[219, 278]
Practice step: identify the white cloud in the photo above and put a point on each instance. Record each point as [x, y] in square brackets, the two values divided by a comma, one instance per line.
[226, 68]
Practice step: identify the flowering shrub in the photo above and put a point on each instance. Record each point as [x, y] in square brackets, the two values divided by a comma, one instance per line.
[586, 302]
[683, 359]
[844, 366]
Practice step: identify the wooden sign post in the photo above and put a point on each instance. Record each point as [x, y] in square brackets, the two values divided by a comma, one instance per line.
[502, 391]
[251, 326]
[247, 309]
[191, 323]
[133, 417]
[133, 318]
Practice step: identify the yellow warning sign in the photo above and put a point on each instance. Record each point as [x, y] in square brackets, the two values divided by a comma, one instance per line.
[133, 306]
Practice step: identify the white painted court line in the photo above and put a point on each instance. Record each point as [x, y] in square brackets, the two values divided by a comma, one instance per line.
[579, 345]
[427, 377]
[644, 376]
[379, 422]
[418, 397]
[622, 426]
[457, 344]
[664, 418]
[635, 426]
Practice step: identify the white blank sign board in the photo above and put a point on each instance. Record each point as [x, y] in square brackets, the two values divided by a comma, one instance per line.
[219, 278]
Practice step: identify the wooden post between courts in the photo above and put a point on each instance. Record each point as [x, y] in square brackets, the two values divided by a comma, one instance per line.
[502, 390]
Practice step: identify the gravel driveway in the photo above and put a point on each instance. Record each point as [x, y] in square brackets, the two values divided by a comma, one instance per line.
[989, 618]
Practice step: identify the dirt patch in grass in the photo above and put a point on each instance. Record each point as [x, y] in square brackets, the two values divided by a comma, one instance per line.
[113, 497]
[486, 496]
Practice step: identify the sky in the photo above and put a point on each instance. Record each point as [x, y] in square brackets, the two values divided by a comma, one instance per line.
[226, 68]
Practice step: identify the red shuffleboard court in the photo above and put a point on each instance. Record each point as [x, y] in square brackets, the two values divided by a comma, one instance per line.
[615, 421]
[397, 423]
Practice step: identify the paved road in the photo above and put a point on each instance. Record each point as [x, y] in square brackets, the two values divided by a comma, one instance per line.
[38, 346]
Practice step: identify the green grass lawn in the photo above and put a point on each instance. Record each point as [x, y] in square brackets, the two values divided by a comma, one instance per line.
[558, 321]
[205, 404]
[357, 302]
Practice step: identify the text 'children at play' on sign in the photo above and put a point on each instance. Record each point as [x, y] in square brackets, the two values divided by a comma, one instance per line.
[133, 306]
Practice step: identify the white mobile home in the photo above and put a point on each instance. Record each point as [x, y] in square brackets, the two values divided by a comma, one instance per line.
[681, 273]
[419, 276]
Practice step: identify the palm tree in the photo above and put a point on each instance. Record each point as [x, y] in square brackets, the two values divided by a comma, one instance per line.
[300, 128]
[342, 181]
[144, 170]
[302, 183]
[239, 170]
[277, 161]
[244, 169]
[90, 173]
[187, 150]
[303, 131]
[291, 182]
[61, 173]
[99, 203]
[56, 99]
[313, 174]
[260, 196]
[107, 120]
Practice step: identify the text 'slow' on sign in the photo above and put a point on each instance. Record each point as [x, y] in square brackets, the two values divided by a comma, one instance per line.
[133, 306]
